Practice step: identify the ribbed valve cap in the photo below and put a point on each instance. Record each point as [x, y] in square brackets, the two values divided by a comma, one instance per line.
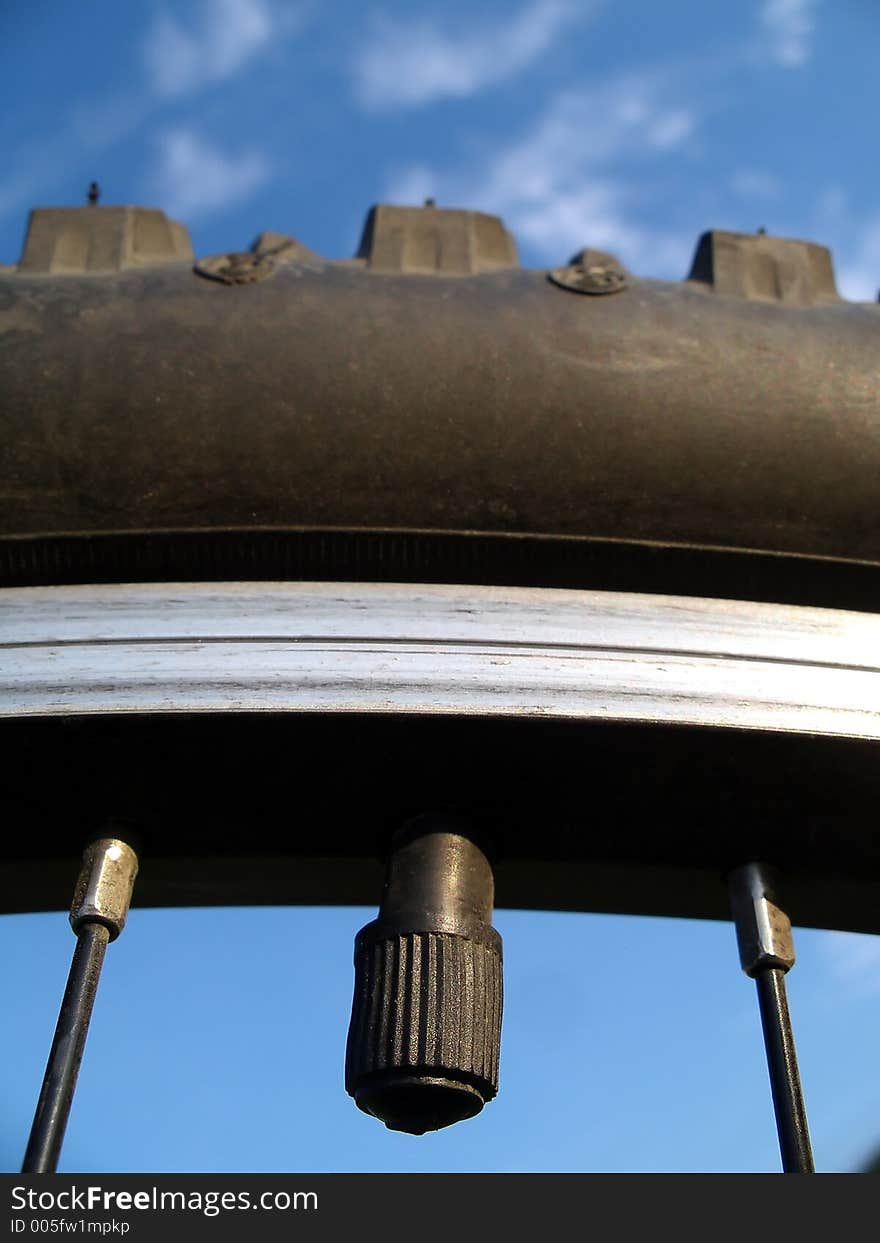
[425, 1034]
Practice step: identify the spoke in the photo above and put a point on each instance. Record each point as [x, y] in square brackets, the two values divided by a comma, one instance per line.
[785, 1080]
[766, 950]
[59, 1082]
[100, 905]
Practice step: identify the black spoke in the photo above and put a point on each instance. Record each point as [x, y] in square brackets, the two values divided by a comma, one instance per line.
[785, 1080]
[766, 949]
[53, 1108]
[100, 905]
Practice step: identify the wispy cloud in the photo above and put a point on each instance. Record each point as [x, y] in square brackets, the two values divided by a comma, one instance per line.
[853, 958]
[788, 27]
[225, 37]
[194, 178]
[755, 183]
[854, 240]
[410, 63]
[571, 180]
[858, 268]
[412, 185]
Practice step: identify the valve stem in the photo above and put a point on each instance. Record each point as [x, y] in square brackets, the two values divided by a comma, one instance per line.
[100, 905]
[766, 950]
[424, 1040]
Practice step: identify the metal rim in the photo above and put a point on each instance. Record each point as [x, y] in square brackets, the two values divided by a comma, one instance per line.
[438, 649]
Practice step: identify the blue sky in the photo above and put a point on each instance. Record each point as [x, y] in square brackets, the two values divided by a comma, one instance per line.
[628, 1044]
[631, 126]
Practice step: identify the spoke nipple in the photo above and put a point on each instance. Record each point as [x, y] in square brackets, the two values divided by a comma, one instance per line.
[103, 891]
[763, 930]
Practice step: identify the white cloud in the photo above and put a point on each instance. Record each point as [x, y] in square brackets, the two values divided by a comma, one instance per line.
[98, 123]
[854, 960]
[754, 183]
[413, 185]
[833, 205]
[854, 241]
[571, 180]
[194, 178]
[406, 64]
[585, 214]
[227, 35]
[858, 271]
[670, 129]
[788, 26]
